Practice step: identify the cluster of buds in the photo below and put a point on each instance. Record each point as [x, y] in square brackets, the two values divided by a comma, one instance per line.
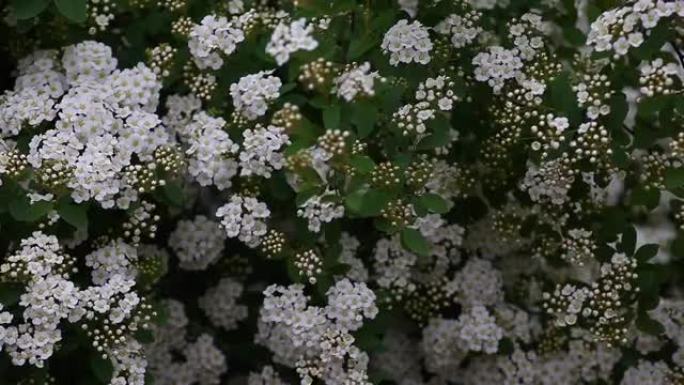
[593, 94]
[287, 117]
[182, 26]
[13, 163]
[334, 142]
[169, 160]
[578, 247]
[386, 175]
[142, 222]
[653, 167]
[318, 75]
[273, 244]
[603, 306]
[100, 14]
[438, 91]
[549, 132]
[658, 78]
[427, 301]
[591, 143]
[54, 175]
[398, 213]
[201, 84]
[419, 172]
[412, 119]
[309, 264]
[160, 59]
[143, 177]
[106, 335]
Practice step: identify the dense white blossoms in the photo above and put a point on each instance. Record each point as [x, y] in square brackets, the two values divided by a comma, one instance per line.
[115, 258]
[497, 65]
[253, 93]
[262, 150]
[213, 36]
[463, 29]
[356, 81]
[103, 122]
[313, 339]
[197, 243]
[407, 43]
[244, 218]
[320, 209]
[288, 39]
[478, 283]
[349, 303]
[646, 373]
[548, 183]
[220, 305]
[619, 29]
[210, 151]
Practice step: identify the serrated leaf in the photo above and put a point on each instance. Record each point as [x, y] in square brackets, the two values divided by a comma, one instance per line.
[74, 10]
[26, 9]
[414, 241]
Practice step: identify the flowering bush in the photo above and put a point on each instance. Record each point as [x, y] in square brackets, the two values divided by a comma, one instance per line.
[343, 192]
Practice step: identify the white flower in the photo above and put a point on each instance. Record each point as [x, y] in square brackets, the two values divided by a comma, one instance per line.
[253, 93]
[288, 39]
[407, 43]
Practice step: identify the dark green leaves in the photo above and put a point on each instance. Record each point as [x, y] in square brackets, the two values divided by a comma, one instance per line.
[26, 9]
[22, 210]
[562, 98]
[646, 252]
[367, 203]
[74, 10]
[434, 203]
[74, 214]
[332, 116]
[414, 241]
[364, 115]
[102, 368]
[674, 178]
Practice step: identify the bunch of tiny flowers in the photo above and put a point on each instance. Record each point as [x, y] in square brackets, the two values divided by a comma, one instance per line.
[407, 43]
[197, 243]
[244, 218]
[214, 35]
[497, 65]
[261, 150]
[320, 209]
[253, 93]
[288, 39]
[354, 81]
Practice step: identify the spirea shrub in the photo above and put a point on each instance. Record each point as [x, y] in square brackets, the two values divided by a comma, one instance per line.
[342, 192]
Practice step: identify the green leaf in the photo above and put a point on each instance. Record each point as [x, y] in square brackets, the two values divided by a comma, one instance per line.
[364, 115]
[434, 203]
[563, 99]
[173, 191]
[74, 214]
[674, 178]
[645, 197]
[414, 241]
[367, 204]
[102, 368]
[10, 293]
[362, 164]
[628, 241]
[646, 252]
[26, 9]
[331, 117]
[74, 10]
[22, 210]
[648, 325]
